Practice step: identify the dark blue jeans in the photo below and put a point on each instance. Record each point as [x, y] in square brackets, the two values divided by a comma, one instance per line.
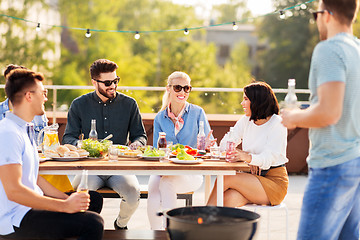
[40, 224]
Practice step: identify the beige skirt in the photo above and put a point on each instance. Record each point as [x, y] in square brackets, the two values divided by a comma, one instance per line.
[275, 183]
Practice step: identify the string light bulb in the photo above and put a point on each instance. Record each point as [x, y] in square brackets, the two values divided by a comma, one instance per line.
[303, 6]
[282, 14]
[38, 27]
[289, 14]
[88, 33]
[186, 31]
[137, 35]
[235, 27]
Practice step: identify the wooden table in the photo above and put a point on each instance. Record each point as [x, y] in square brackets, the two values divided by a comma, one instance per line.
[135, 166]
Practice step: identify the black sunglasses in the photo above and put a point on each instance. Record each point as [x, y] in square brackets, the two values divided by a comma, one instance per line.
[108, 83]
[315, 14]
[178, 88]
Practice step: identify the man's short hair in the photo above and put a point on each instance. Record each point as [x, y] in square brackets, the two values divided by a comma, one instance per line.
[12, 67]
[263, 102]
[19, 81]
[102, 66]
[344, 11]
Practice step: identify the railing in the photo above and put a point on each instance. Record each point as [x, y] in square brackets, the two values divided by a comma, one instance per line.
[55, 88]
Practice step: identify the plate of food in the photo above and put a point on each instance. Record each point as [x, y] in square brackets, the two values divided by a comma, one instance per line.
[96, 148]
[185, 158]
[178, 147]
[150, 158]
[68, 158]
[65, 152]
[185, 161]
[128, 153]
[152, 154]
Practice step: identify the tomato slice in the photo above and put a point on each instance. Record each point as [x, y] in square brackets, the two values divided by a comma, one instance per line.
[192, 152]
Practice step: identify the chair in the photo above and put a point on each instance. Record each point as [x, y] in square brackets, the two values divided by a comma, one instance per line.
[282, 205]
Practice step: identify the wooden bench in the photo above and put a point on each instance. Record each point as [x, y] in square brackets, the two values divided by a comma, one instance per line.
[130, 235]
[109, 193]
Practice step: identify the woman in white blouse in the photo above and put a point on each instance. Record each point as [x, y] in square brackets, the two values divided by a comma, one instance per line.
[264, 141]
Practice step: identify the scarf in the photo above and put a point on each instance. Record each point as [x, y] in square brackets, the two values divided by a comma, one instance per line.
[179, 121]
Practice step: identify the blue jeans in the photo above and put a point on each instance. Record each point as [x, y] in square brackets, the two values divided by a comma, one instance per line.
[331, 204]
[127, 186]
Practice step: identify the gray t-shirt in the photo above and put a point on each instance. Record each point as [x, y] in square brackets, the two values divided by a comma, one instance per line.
[333, 60]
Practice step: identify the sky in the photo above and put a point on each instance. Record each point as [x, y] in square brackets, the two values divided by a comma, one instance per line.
[257, 7]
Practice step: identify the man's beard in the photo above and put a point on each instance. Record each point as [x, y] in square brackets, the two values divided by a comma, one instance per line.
[105, 94]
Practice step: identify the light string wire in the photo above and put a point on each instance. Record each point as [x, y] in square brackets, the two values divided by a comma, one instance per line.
[281, 12]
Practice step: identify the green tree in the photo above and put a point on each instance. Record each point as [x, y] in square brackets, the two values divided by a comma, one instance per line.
[143, 62]
[231, 11]
[290, 44]
[20, 43]
[356, 26]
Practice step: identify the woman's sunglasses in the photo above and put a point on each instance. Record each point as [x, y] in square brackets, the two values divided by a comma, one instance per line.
[108, 83]
[178, 88]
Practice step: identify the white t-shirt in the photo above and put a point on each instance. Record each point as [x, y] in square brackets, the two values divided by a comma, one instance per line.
[266, 143]
[16, 148]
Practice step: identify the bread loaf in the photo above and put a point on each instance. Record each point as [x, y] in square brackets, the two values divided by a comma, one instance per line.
[61, 150]
[70, 147]
[72, 154]
[51, 154]
[82, 152]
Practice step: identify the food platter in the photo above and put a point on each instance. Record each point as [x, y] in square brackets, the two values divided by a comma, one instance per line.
[127, 156]
[94, 158]
[176, 160]
[69, 158]
[150, 158]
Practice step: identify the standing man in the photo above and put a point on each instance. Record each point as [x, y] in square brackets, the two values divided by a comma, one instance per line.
[31, 208]
[116, 114]
[331, 204]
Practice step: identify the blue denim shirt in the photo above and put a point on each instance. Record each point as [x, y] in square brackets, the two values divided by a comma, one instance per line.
[39, 121]
[188, 134]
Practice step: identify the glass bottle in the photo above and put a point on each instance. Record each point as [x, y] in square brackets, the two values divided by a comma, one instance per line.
[83, 186]
[230, 144]
[93, 134]
[290, 98]
[201, 138]
[162, 140]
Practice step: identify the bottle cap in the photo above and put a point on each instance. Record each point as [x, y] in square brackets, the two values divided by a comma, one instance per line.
[291, 82]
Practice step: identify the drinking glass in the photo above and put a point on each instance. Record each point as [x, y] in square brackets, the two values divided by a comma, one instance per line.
[113, 153]
[215, 152]
[169, 147]
[164, 157]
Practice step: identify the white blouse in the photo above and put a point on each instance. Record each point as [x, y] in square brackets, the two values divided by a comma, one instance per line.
[266, 143]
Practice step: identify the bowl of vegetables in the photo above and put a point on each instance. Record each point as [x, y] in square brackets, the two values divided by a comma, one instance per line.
[96, 148]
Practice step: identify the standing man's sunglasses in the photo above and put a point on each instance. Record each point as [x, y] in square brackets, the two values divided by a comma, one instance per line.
[315, 14]
[178, 88]
[108, 83]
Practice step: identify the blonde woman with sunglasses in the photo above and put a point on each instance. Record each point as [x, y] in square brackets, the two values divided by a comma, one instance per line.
[180, 121]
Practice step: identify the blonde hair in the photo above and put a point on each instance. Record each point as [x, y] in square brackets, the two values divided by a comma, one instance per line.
[171, 77]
